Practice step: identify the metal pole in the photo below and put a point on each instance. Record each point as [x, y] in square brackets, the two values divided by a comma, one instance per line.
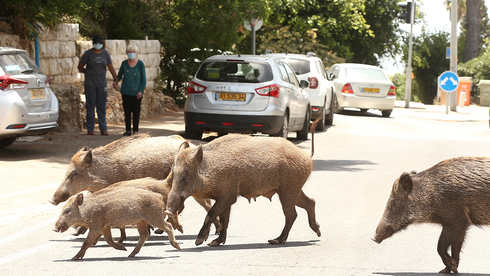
[253, 36]
[453, 61]
[408, 79]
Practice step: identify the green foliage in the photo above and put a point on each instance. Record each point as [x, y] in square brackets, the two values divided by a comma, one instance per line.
[282, 40]
[428, 62]
[477, 68]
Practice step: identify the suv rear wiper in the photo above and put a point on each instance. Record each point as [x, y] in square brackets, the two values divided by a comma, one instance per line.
[28, 71]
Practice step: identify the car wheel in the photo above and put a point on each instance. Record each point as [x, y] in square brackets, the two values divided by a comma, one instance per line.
[336, 107]
[5, 142]
[193, 134]
[329, 116]
[386, 113]
[303, 133]
[284, 128]
[364, 110]
[321, 124]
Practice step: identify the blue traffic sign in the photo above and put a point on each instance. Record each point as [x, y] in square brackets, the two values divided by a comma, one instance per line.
[449, 81]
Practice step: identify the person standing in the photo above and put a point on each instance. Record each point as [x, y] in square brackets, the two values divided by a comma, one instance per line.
[94, 63]
[132, 73]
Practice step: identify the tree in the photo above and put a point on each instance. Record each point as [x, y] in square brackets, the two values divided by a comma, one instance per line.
[473, 29]
[428, 63]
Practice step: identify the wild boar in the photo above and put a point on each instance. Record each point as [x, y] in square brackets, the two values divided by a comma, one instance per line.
[454, 193]
[128, 158]
[239, 165]
[100, 210]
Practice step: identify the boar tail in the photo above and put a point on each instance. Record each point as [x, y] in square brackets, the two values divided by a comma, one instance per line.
[312, 131]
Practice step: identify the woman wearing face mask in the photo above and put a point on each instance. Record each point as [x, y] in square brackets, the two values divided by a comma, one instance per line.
[93, 64]
[132, 73]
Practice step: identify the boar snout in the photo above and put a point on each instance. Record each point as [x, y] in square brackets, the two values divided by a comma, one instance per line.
[60, 228]
[382, 233]
[58, 198]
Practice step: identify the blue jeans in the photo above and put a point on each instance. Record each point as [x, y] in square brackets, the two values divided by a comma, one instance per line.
[96, 97]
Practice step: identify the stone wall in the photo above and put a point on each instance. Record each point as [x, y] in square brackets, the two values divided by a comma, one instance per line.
[60, 51]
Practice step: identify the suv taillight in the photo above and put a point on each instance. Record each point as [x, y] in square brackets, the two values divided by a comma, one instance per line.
[195, 88]
[392, 91]
[270, 90]
[313, 82]
[347, 89]
[6, 81]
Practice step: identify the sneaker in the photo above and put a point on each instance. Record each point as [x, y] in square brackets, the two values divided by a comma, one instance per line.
[127, 133]
[104, 133]
[90, 133]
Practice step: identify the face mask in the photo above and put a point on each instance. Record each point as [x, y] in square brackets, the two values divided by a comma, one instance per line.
[97, 46]
[131, 56]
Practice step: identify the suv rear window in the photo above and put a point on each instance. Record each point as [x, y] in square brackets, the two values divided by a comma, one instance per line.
[300, 67]
[235, 71]
[16, 64]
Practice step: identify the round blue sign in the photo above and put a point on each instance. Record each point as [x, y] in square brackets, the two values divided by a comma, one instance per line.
[449, 81]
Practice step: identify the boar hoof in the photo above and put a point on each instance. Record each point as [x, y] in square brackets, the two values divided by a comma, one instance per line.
[159, 231]
[175, 244]
[276, 241]
[199, 241]
[216, 243]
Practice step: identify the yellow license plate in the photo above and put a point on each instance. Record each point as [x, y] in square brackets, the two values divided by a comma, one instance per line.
[37, 94]
[370, 90]
[231, 97]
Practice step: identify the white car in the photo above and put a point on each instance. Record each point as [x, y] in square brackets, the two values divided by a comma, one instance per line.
[363, 87]
[27, 104]
[246, 94]
[310, 68]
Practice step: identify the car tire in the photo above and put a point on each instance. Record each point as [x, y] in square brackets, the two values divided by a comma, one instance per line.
[193, 134]
[329, 116]
[283, 132]
[303, 133]
[386, 113]
[336, 107]
[321, 124]
[5, 142]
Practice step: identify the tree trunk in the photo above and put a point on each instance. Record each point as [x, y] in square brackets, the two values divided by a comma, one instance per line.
[472, 43]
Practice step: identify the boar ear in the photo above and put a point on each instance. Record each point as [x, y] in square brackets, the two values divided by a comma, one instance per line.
[183, 146]
[199, 154]
[85, 148]
[87, 159]
[405, 182]
[79, 199]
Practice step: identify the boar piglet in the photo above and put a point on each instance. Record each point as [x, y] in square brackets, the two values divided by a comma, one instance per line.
[133, 157]
[101, 210]
[454, 193]
[239, 165]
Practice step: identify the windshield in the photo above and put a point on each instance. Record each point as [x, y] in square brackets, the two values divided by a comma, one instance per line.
[300, 67]
[365, 74]
[16, 64]
[235, 71]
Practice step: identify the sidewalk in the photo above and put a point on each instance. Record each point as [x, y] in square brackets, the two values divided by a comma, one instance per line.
[470, 113]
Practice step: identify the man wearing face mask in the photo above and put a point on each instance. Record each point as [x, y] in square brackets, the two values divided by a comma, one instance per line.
[132, 73]
[93, 64]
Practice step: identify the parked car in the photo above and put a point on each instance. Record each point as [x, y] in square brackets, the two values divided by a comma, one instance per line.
[27, 104]
[246, 94]
[321, 90]
[362, 86]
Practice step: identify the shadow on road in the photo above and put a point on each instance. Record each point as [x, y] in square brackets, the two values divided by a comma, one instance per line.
[342, 165]
[424, 274]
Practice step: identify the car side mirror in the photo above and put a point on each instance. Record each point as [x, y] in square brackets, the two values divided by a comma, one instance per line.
[304, 84]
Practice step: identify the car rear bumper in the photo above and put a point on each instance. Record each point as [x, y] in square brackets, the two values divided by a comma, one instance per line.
[353, 101]
[232, 123]
[16, 121]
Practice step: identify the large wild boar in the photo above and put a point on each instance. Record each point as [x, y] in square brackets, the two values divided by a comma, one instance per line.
[128, 158]
[115, 207]
[454, 193]
[239, 165]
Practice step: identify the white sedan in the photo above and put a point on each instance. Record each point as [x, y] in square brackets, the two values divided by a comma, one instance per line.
[362, 86]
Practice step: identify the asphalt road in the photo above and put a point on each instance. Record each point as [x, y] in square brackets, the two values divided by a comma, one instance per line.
[356, 161]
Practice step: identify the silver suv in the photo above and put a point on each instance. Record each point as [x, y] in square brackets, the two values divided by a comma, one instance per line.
[27, 104]
[246, 94]
[310, 68]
